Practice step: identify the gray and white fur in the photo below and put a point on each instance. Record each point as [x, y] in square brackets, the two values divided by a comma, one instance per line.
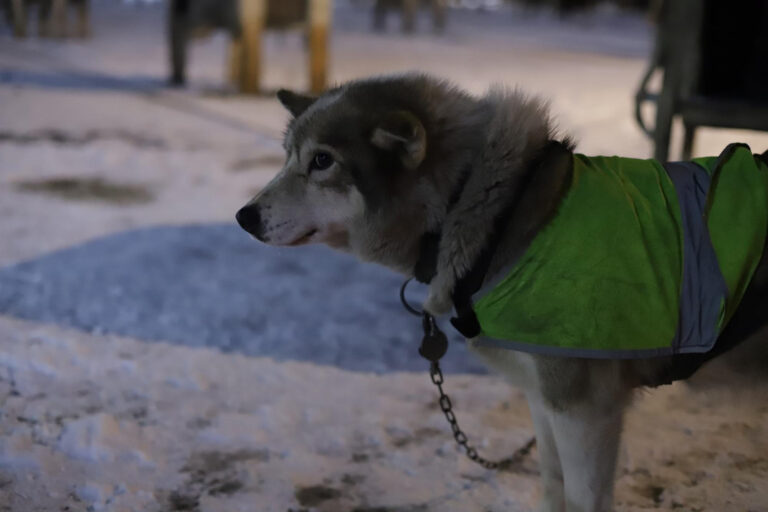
[372, 165]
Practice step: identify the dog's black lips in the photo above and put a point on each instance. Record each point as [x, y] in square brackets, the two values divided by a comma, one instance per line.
[303, 238]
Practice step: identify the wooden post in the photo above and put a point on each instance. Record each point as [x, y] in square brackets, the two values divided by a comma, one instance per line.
[19, 16]
[438, 16]
[235, 65]
[83, 19]
[252, 18]
[380, 15]
[57, 19]
[319, 24]
[410, 13]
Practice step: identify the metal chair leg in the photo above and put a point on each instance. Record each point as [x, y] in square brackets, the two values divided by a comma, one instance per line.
[663, 129]
[688, 140]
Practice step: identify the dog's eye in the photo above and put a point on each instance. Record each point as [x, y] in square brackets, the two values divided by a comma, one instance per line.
[321, 161]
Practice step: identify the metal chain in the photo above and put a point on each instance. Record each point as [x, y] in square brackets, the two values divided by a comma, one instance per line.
[461, 438]
[433, 347]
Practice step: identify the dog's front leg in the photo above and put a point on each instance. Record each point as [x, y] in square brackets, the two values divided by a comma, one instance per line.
[552, 490]
[587, 438]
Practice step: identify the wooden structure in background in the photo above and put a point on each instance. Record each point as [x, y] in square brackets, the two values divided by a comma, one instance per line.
[258, 15]
[52, 17]
[714, 56]
[409, 9]
[245, 51]
[246, 21]
[319, 22]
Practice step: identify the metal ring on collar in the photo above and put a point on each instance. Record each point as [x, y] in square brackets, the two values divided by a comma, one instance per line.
[407, 306]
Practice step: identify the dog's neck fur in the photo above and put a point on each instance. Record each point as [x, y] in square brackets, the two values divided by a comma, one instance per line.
[500, 161]
[521, 126]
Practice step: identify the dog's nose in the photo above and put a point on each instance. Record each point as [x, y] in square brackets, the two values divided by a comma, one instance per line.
[249, 219]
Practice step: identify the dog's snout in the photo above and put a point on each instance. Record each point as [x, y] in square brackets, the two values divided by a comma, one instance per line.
[249, 218]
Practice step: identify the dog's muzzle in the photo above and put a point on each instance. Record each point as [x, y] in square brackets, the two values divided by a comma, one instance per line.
[249, 218]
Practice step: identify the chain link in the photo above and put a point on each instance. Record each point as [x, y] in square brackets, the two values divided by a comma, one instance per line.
[461, 438]
[433, 347]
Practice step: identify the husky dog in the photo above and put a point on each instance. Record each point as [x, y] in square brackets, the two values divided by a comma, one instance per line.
[197, 18]
[374, 165]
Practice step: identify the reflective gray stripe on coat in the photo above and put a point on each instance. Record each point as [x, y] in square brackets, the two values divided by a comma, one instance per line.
[703, 289]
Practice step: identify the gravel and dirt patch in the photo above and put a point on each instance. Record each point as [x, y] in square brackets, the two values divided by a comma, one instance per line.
[88, 189]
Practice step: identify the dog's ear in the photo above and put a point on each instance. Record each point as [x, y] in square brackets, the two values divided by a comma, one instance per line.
[295, 103]
[404, 134]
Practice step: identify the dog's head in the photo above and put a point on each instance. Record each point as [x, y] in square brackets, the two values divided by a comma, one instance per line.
[354, 159]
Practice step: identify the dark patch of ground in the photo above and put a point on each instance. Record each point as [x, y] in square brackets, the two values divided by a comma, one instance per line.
[420, 435]
[247, 164]
[181, 502]
[352, 480]
[406, 508]
[315, 495]
[211, 473]
[55, 136]
[88, 189]
[204, 463]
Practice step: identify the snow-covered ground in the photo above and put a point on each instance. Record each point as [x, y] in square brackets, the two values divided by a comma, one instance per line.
[107, 423]
[146, 365]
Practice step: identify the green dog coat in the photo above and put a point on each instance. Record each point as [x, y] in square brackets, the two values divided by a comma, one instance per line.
[641, 259]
